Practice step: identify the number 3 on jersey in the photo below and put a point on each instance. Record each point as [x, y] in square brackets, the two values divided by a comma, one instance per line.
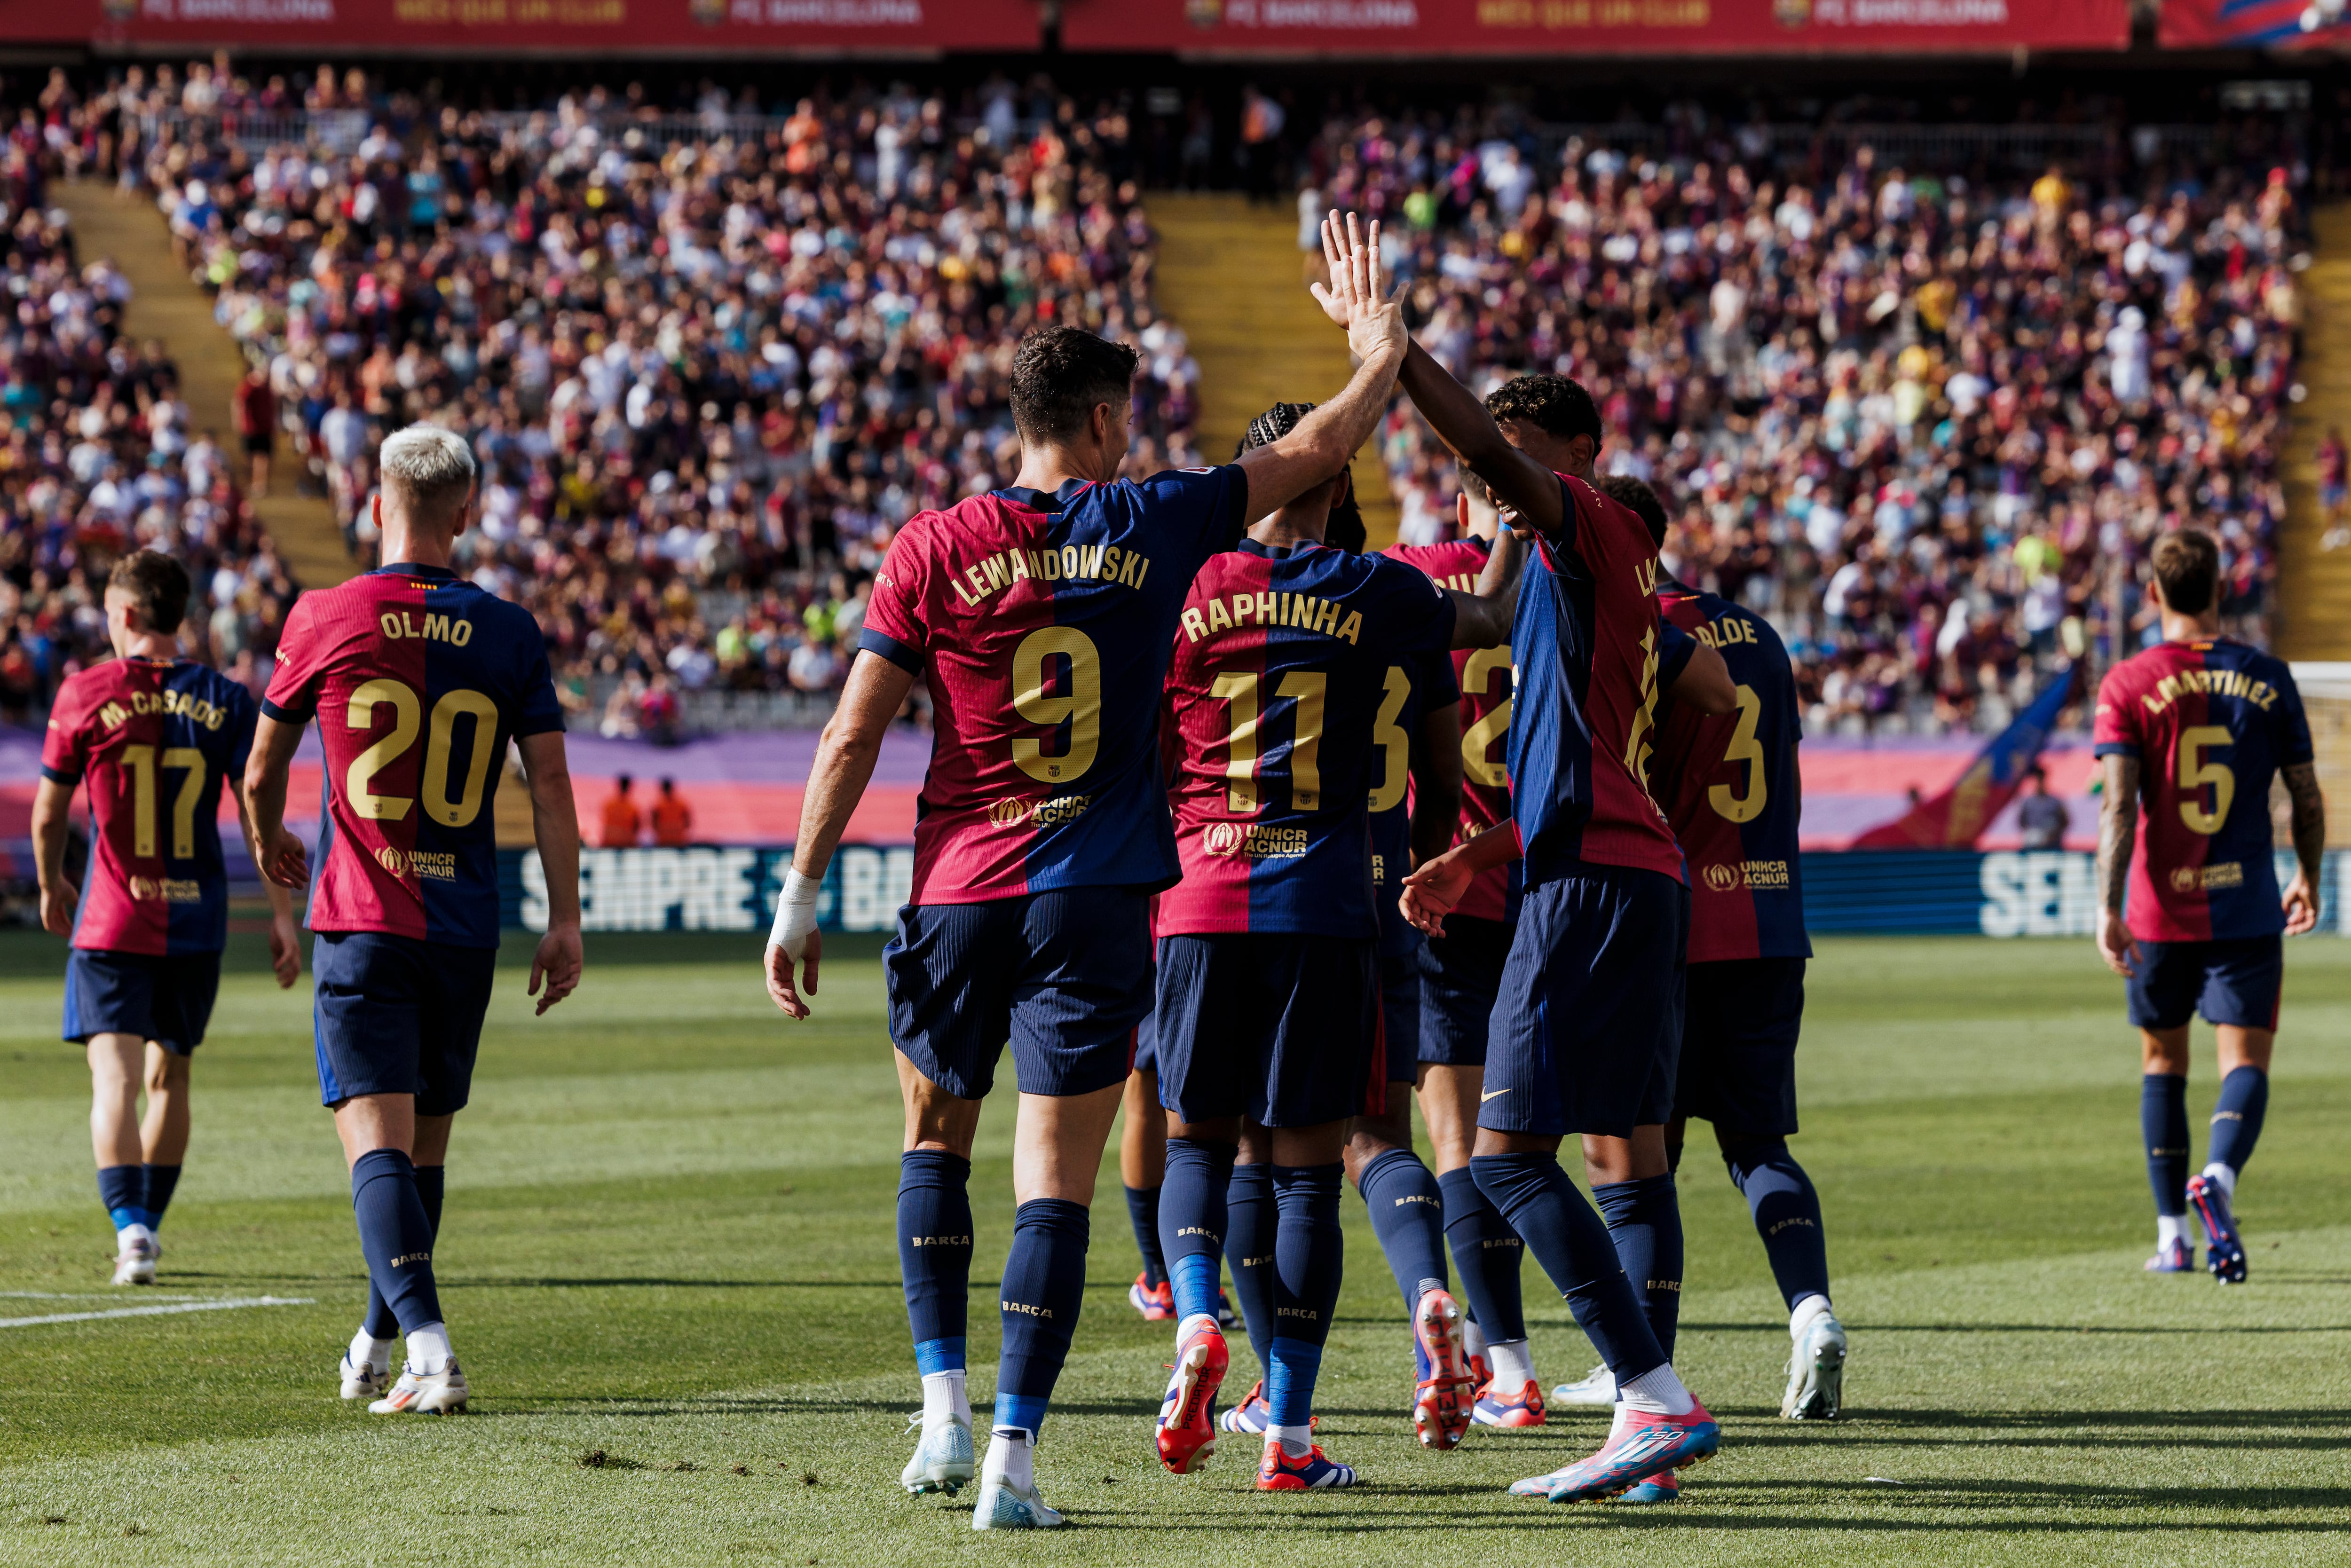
[407, 719]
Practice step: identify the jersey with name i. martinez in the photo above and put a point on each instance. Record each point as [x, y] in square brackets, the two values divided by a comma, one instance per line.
[157, 739]
[418, 680]
[1042, 625]
[1729, 785]
[2212, 722]
[1588, 647]
[1286, 704]
[1483, 677]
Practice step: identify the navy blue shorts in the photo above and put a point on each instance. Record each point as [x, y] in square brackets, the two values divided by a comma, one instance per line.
[1280, 1029]
[398, 1015]
[1400, 1017]
[1064, 976]
[2235, 982]
[1585, 1030]
[1146, 1038]
[167, 999]
[1460, 976]
[1738, 1046]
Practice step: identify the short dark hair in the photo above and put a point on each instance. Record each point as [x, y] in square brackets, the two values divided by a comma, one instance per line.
[1639, 499]
[1475, 484]
[623, 782]
[1060, 374]
[2188, 571]
[1552, 403]
[157, 584]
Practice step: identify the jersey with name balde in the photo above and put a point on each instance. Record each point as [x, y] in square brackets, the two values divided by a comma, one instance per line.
[1729, 786]
[157, 740]
[1042, 623]
[1286, 730]
[1483, 675]
[418, 680]
[2211, 722]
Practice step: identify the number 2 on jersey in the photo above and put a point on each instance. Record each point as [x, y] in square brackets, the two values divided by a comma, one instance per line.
[1479, 764]
[2195, 773]
[407, 719]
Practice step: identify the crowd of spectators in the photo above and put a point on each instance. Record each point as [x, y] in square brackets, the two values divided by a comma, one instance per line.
[1930, 424]
[709, 374]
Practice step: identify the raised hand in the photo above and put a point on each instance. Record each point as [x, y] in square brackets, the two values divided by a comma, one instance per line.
[1356, 297]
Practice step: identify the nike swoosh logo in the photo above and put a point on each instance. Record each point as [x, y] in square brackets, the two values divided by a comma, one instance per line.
[1486, 1094]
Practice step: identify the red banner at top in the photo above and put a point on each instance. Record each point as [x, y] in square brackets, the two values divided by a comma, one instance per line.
[1571, 28]
[569, 26]
[2252, 25]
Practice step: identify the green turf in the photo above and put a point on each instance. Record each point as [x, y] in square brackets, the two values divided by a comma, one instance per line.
[669, 1240]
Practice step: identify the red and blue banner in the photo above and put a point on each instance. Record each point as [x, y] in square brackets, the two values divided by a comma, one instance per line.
[1957, 818]
[2253, 25]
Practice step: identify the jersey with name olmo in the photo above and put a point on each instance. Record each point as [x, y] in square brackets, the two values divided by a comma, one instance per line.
[2210, 721]
[156, 740]
[418, 680]
[1287, 728]
[1042, 625]
[1483, 677]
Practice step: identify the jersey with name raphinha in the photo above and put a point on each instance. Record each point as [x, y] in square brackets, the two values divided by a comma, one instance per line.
[1286, 704]
[1588, 646]
[1483, 675]
[418, 680]
[156, 740]
[1431, 677]
[1729, 785]
[2211, 722]
[1043, 625]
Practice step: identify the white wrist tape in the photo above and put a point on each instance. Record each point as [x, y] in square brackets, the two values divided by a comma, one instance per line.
[795, 913]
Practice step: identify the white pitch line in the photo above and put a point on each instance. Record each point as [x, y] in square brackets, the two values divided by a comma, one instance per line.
[157, 1312]
[86, 1296]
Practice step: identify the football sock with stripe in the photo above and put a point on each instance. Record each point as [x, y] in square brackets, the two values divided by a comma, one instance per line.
[1787, 1214]
[2163, 1124]
[1646, 1222]
[156, 1184]
[1309, 1256]
[1044, 1286]
[935, 1254]
[1249, 1249]
[1193, 1221]
[1574, 1249]
[122, 1189]
[1487, 1252]
[1142, 1213]
[1408, 1213]
[430, 1186]
[2237, 1124]
[396, 1240]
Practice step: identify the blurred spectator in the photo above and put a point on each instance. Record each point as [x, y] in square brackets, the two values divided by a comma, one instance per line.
[621, 823]
[2041, 815]
[673, 817]
[256, 425]
[2335, 488]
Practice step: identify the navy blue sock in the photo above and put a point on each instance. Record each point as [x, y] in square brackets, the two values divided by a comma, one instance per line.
[1249, 1249]
[934, 1253]
[395, 1236]
[123, 1189]
[1574, 1249]
[1309, 1257]
[1646, 1222]
[1142, 1213]
[1193, 1220]
[156, 1184]
[1408, 1216]
[430, 1185]
[1787, 1213]
[2163, 1124]
[2237, 1119]
[1044, 1285]
[1487, 1252]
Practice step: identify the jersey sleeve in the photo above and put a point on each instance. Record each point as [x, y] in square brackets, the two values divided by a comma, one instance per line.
[2114, 731]
[64, 748]
[1419, 612]
[1210, 505]
[2293, 746]
[893, 614]
[293, 694]
[1676, 648]
[542, 711]
[1435, 682]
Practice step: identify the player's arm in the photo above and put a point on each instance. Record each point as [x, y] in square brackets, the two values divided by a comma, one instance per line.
[285, 940]
[1325, 439]
[1435, 782]
[279, 855]
[1435, 889]
[1483, 619]
[59, 896]
[1705, 682]
[845, 756]
[2118, 832]
[2309, 804]
[555, 828]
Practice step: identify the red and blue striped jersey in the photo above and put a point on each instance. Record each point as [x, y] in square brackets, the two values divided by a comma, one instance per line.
[2211, 722]
[1286, 704]
[1588, 648]
[1729, 785]
[156, 740]
[1044, 624]
[1483, 675]
[418, 680]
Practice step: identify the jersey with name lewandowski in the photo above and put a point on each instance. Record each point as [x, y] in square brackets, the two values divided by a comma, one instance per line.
[418, 680]
[1042, 623]
[1483, 677]
[2210, 721]
[1287, 731]
[1728, 783]
[157, 739]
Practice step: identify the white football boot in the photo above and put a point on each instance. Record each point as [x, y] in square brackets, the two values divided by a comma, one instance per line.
[442, 1393]
[1005, 1503]
[1816, 1372]
[135, 1263]
[364, 1380]
[1596, 1387]
[943, 1458]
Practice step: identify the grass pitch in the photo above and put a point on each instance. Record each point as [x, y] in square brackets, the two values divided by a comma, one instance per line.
[669, 1264]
